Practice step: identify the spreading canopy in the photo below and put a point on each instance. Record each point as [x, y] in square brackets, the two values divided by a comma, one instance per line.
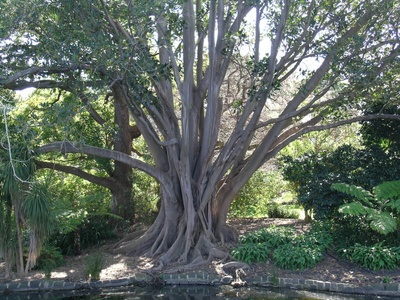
[304, 65]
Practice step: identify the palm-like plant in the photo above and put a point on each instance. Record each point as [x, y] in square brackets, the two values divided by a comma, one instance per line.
[28, 204]
[16, 174]
[381, 207]
[36, 210]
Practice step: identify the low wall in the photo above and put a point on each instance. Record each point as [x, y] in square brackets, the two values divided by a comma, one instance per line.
[199, 278]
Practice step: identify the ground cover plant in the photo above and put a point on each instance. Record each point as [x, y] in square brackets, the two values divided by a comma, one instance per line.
[287, 248]
[374, 257]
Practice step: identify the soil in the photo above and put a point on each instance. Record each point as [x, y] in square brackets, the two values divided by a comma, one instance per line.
[332, 268]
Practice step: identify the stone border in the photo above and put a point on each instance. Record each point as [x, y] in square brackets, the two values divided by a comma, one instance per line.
[200, 278]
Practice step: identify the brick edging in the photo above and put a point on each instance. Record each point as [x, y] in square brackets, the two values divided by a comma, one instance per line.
[202, 278]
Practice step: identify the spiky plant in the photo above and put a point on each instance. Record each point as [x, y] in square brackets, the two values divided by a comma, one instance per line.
[381, 207]
[17, 170]
[36, 209]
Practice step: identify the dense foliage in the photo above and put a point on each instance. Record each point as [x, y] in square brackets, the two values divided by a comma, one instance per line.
[256, 197]
[313, 174]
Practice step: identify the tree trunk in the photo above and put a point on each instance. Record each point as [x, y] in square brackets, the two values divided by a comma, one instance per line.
[17, 216]
[167, 239]
[121, 203]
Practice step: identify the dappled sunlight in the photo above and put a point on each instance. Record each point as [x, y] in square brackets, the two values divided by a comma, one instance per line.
[60, 275]
[114, 270]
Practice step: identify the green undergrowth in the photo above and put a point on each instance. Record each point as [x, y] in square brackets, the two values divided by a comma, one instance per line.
[375, 257]
[286, 248]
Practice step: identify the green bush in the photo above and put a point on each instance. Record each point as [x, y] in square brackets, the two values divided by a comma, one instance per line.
[290, 250]
[273, 236]
[312, 174]
[320, 235]
[304, 250]
[350, 230]
[252, 200]
[379, 207]
[375, 257]
[91, 231]
[94, 265]
[297, 256]
[146, 191]
[251, 253]
[49, 259]
[276, 210]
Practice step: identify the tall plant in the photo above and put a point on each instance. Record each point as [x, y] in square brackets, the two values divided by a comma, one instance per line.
[381, 207]
[17, 171]
[36, 210]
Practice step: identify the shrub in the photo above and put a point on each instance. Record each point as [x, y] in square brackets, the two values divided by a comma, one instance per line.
[273, 236]
[375, 257]
[290, 250]
[256, 236]
[275, 210]
[297, 256]
[91, 231]
[49, 259]
[304, 250]
[253, 198]
[94, 266]
[146, 191]
[320, 235]
[251, 252]
[350, 230]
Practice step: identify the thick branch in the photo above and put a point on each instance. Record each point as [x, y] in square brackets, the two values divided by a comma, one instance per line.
[40, 84]
[105, 182]
[70, 147]
[40, 70]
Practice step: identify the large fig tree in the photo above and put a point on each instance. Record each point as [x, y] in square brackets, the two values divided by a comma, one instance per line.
[169, 63]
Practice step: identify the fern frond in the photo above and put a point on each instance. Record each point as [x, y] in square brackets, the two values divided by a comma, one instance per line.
[387, 190]
[355, 191]
[383, 223]
[353, 209]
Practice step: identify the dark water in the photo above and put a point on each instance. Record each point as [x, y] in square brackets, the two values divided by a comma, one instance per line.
[189, 292]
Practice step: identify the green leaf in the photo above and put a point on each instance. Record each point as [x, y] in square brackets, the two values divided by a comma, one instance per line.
[387, 190]
[395, 204]
[383, 223]
[355, 191]
[354, 209]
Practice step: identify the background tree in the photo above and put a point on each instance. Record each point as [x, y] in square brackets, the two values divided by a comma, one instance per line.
[50, 115]
[166, 63]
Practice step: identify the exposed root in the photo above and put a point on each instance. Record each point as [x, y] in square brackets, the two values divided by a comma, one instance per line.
[204, 248]
[227, 234]
[129, 237]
